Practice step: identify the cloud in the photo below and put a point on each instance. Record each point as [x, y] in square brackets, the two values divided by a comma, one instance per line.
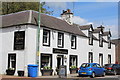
[113, 29]
[80, 21]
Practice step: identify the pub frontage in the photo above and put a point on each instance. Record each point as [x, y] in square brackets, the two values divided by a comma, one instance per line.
[61, 43]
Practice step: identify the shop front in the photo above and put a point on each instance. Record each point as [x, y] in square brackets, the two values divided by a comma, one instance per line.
[61, 58]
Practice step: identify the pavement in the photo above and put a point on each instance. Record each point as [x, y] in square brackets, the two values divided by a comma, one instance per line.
[56, 76]
[69, 77]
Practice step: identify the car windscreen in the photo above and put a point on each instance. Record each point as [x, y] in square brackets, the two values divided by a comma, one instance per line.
[84, 65]
[108, 65]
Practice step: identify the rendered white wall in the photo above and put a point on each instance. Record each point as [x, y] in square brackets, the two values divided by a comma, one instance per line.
[28, 56]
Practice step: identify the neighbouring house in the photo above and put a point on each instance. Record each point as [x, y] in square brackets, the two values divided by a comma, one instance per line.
[61, 42]
[117, 50]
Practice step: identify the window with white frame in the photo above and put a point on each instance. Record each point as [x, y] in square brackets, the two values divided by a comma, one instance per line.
[60, 39]
[73, 42]
[100, 40]
[46, 37]
[90, 38]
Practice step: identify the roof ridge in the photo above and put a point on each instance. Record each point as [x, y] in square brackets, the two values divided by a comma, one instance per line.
[16, 13]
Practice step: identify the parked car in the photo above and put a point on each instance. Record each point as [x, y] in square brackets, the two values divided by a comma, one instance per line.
[91, 69]
[112, 68]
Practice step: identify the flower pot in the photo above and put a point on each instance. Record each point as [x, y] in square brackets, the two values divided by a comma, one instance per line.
[10, 72]
[20, 73]
[73, 71]
[46, 72]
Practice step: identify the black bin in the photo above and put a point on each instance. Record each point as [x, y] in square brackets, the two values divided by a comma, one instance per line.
[20, 73]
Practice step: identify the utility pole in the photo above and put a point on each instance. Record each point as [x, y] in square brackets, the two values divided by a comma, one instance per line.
[38, 41]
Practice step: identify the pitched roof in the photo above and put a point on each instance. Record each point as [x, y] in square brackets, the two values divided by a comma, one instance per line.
[31, 17]
[116, 41]
[97, 30]
[106, 33]
[86, 27]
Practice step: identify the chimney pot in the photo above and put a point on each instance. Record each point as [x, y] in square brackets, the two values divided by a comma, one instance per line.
[68, 10]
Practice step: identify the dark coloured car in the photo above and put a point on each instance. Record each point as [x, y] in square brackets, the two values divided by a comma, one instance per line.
[112, 68]
[91, 69]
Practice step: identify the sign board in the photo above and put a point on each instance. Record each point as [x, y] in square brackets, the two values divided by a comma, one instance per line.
[19, 40]
[62, 71]
[61, 51]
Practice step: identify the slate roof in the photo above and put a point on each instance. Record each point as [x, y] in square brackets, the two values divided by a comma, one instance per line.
[31, 17]
[116, 41]
[86, 27]
[106, 33]
[97, 30]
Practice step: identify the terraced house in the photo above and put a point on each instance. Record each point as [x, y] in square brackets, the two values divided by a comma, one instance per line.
[61, 42]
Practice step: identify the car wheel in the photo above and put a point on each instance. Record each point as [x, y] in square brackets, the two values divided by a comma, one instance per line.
[103, 74]
[93, 75]
[115, 73]
[79, 75]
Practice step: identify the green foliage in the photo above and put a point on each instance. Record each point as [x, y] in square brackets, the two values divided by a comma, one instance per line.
[12, 7]
[47, 67]
[73, 67]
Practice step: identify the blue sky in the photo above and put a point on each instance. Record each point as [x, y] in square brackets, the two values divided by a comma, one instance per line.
[97, 13]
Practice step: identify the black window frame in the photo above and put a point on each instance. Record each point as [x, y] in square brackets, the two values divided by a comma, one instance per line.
[90, 38]
[46, 44]
[75, 42]
[100, 40]
[109, 42]
[9, 55]
[101, 55]
[60, 46]
[109, 56]
[90, 57]
[48, 55]
[70, 57]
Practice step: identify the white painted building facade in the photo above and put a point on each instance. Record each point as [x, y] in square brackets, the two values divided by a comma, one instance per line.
[72, 51]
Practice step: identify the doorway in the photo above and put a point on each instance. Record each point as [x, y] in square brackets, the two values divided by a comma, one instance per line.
[101, 59]
[59, 61]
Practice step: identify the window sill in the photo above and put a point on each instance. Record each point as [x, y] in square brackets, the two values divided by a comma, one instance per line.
[44, 44]
[60, 46]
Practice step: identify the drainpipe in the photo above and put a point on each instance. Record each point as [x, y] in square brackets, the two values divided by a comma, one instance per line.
[38, 43]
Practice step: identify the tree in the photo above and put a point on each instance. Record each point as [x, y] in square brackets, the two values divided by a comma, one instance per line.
[12, 7]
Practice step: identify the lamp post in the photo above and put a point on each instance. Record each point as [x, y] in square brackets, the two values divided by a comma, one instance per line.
[38, 42]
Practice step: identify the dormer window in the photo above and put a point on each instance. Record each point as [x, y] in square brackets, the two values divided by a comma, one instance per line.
[100, 40]
[90, 38]
[60, 39]
[73, 42]
[109, 42]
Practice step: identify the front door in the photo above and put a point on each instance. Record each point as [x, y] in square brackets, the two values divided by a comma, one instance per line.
[59, 61]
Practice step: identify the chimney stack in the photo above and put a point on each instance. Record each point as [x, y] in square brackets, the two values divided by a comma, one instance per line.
[102, 28]
[67, 16]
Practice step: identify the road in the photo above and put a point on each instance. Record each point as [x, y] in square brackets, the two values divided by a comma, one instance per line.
[110, 77]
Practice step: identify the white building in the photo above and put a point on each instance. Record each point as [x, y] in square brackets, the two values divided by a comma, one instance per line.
[61, 42]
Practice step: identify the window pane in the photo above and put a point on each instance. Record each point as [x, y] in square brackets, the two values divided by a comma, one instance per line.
[46, 36]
